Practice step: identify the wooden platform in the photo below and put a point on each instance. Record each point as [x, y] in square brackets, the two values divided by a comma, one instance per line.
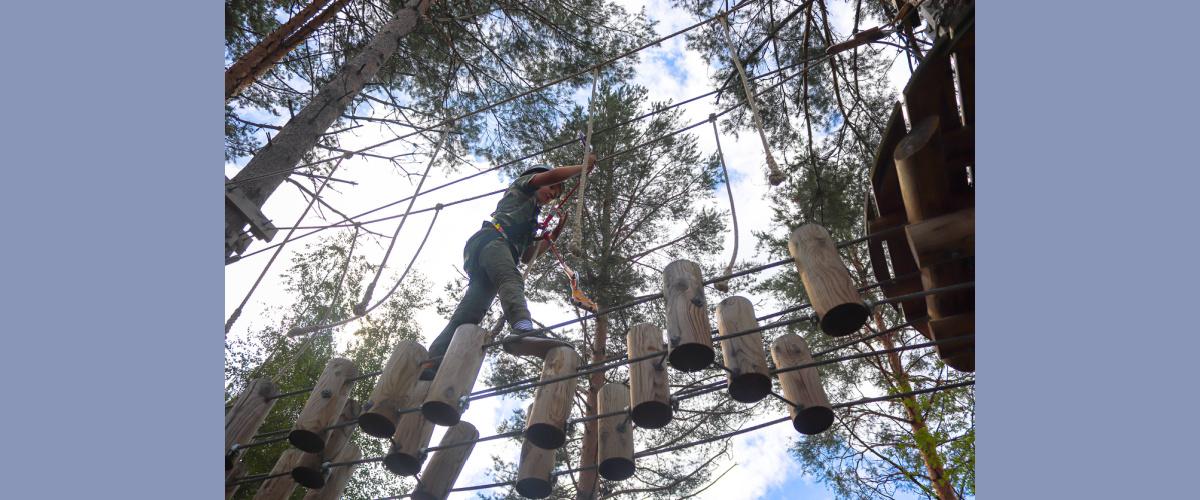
[923, 180]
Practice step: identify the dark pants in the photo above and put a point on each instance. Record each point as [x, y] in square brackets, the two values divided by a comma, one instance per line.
[494, 274]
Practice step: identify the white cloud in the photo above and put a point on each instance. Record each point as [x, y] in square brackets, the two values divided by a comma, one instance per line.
[762, 459]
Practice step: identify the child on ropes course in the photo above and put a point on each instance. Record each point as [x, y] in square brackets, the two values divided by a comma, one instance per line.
[490, 260]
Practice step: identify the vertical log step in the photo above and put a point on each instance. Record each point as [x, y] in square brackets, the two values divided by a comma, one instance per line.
[687, 317]
[391, 390]
[826, 280]
[810, 409]
[413, 433]
[308, 471]
[233, 474]
[280, 488]
[460, 367]
[535, 478]
[247, 415]
[445, 465]
[749, 378]
[339, 476]
[547, 422]
[650, 396]
[615, 453]
[324, 404]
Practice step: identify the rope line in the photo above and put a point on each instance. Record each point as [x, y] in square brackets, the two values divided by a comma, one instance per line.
[360, 308]
[316, 196]
[577, 239]
[713, 387]
[511, 98]
[661, 450]
[620, 360]
[723, 285]
[360, 314]
[351, 222]
[775, 177]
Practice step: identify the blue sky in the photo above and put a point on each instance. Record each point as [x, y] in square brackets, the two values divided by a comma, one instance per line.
[763, 469]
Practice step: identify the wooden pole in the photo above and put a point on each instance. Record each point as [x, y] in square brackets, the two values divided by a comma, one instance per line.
[445, 464]
[535, 469]
[392, 389]
[413, 432]
[279, 488]
[826, 280]
[810, 409]
[308, 472]
[324, 404]
[650, 396]
[687, 317]
[547, 422]
[616, 434]
[339, 476]
[275, 162]
[247, 415]
[749, 378]
[447, 397]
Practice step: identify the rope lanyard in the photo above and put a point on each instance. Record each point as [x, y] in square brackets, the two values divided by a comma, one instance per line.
[577, 240]
[775, 177]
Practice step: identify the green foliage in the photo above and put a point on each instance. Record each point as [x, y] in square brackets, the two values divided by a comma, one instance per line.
[825, 126]
[325, 281]
[651, 195]
[470, 54]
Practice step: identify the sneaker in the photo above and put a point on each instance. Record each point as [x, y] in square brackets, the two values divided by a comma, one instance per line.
[525, 343]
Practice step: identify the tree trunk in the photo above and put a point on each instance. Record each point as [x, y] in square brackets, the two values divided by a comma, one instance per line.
[924, 440]
[255, 63]
[588, 477]
[268, 169]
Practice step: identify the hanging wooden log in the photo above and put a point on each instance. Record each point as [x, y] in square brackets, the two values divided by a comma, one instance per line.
[616, 434]
[809, 407]
[413, 432]
[308, 472]
[687, 317]
[445, 464]
[650, 396]
[535, 478]
[749, 378]
[392, 388]
[547, 422]
[247, 415]
[835, 300]
[339, 476]
[324, 404]
[279, 488]
[447, 397]
[231, 476]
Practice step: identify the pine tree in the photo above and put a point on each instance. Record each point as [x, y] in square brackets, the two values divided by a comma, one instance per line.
[635, 202]
[325, 281]
[827, 123]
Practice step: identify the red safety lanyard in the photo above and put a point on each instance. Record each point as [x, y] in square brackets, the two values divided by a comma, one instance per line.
[577, 296]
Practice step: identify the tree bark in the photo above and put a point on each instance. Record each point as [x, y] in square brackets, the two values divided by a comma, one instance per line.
[274, 163]
[588, 477]
[255, 63]
[926, 444]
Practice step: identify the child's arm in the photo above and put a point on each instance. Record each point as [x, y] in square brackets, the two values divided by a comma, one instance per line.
[557, 175]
